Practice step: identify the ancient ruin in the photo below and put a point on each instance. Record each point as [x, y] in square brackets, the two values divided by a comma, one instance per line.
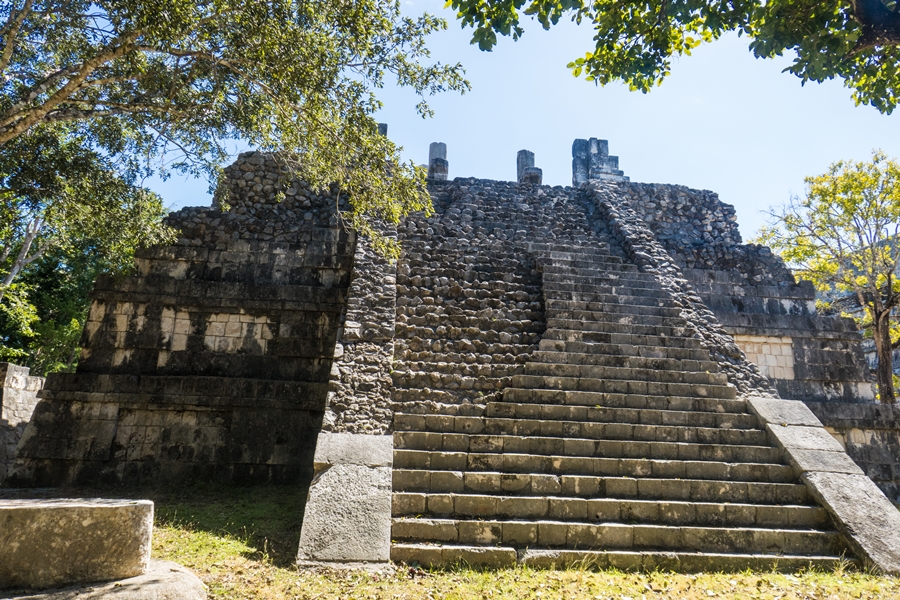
[602, 373]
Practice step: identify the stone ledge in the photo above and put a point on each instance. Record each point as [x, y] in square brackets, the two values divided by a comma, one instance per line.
[163, 581]
[49, 543]
[868, 520]
[347, 520]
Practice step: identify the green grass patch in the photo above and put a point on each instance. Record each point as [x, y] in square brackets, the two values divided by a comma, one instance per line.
[241, 541]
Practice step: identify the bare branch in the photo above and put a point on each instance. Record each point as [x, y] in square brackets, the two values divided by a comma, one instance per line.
[10, 32]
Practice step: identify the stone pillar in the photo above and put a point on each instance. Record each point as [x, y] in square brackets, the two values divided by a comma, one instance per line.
[347, 521]
[580, 162]
[524, 160]
[438, 167]
[19, 396]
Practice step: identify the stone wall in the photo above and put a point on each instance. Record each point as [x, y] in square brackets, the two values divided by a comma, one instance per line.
[18, 397]
[752, 293]
[213, 359]
[870, 433]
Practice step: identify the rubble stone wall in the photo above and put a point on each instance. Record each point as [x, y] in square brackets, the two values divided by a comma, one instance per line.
[752, 292]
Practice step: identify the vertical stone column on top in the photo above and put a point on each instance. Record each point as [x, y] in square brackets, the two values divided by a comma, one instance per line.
[19, 396]
[526, 172]
[438, 167]
[347, 520]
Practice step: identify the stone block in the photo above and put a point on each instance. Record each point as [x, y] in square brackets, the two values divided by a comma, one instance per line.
[348, 514]
[822, 460]
[866, 517]
[783, 412]
[51, 543]
[163, 580]
[793, 437]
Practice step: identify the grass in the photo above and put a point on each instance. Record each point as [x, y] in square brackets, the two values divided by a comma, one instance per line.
[242, 541]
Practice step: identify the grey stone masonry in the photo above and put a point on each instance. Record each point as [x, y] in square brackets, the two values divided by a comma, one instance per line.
[591, 161]
[526, 172]
[870, 434]
[347, 519]
[213, 360]
[18, 398]
[860, 510]
[438, 167]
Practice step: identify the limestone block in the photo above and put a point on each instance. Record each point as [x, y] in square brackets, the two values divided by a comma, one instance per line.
[783, 412]
[347, 521]
[821, 460]
[50, 543]
[163, 580]
[803, 438]
[866, 517]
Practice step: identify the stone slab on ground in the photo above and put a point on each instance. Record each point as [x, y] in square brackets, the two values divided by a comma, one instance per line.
[50, 543]
[163, 580]
[347, 521]
[868, 520]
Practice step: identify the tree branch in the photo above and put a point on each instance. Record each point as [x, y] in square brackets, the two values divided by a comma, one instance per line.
[10, 32]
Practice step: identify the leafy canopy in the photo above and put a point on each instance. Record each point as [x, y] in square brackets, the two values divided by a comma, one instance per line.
[168, 85]
[855, 40]
[844, 236]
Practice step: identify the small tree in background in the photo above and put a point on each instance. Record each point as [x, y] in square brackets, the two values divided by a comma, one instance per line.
[844, 236]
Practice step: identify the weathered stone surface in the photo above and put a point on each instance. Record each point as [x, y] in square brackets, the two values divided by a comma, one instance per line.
[347, 520]
[354, 449]
[49, 543]
[822, 460]
[783, 412]
[163, 580]
[794, 437]
[18, 398]
[869, 521]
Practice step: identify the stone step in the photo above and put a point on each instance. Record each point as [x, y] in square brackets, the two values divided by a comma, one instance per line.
[622, 295]
[424, 403]
[638, 416]
[623, 361]
[622, 386]
[550, 464]
[575, 330]
[610, 510]
[620, 536]
[618, 373]
[604, 302]
[447, 444]
[618, 313]
[677, 351]
[598, 486]
[490, 369]
[457, 358]
[552, 280]
[451, 555]
[628, 432]
[608, 283]
[485, 382]
[638, 401]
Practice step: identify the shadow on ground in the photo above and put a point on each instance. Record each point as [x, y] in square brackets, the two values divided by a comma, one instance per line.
[266, 518]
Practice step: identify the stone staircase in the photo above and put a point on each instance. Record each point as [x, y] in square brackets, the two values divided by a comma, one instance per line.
[619, 445]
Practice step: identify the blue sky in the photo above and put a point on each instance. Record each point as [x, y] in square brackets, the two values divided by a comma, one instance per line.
[723, 120]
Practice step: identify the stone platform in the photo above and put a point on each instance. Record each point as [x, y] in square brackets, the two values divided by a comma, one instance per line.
[51, 543]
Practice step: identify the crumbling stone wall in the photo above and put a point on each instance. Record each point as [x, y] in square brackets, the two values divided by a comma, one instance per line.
[752, 292]
[469, 297]
[212, 360]
[18, 397]
[642, 247]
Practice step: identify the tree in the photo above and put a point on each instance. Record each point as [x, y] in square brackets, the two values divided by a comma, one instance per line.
[55, 193]
[141, 80]
[65, 213]
[855, 40]
[844, 236]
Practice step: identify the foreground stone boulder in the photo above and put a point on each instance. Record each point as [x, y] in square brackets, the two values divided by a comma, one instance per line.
[52, 543]
[163, 581]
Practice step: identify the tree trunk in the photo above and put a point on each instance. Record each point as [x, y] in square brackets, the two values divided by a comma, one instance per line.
[885, 370]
